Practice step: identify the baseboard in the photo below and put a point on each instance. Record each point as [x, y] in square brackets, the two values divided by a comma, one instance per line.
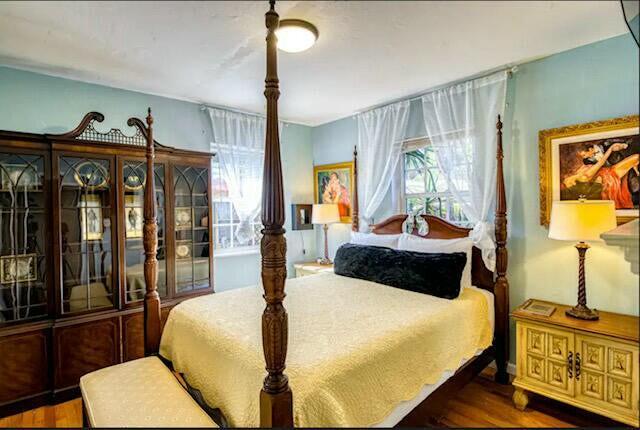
[511, 367]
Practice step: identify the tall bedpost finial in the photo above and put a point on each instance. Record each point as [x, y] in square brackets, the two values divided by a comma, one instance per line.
[355, 215]
[501, 289]
[150, 241]
[276, 402]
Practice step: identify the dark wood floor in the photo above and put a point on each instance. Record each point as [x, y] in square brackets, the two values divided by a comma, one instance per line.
[482, 403]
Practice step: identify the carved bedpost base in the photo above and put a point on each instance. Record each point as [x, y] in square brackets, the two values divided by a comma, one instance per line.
[275, 409]
[520, 399]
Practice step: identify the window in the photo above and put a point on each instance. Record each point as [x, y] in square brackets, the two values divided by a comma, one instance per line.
[425, 189]
[225, 218]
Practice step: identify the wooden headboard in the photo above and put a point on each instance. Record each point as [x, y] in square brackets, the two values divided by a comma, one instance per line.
[481, 277]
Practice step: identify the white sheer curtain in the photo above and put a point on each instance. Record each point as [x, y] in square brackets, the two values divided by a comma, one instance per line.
[380, 135]
[238, 140]
[460, 124]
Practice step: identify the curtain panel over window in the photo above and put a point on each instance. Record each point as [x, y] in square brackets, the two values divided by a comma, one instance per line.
[238, 141]
[380, 135]
[460, 124]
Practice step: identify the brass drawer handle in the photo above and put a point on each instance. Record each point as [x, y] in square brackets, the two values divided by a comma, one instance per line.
[570, 364]
[577, 366]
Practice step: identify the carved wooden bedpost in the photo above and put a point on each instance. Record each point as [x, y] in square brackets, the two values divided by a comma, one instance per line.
[501, 289]
[152, 322]
[355, 213]
[276, 403]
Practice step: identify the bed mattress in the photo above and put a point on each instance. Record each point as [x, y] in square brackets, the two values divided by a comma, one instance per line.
[358, 350]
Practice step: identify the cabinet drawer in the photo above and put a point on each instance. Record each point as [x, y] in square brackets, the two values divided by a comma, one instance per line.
[608, 375]
[543, 357]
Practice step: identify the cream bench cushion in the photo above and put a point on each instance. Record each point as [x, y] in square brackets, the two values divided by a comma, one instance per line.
[139, 393]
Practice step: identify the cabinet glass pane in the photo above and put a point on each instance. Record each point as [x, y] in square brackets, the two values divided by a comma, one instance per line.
[23, 292]
[191, 216]
[88, 273]
[134, 177]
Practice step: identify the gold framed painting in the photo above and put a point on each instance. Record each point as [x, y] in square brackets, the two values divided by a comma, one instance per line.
[597, 160]
[333, 183]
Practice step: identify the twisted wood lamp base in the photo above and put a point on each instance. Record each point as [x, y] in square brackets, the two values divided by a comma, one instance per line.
[581, 311]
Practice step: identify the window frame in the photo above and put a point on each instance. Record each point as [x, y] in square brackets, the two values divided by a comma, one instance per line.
[410, 145]
[231, 223]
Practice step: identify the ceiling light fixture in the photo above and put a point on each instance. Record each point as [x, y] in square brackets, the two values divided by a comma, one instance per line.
[296, 35]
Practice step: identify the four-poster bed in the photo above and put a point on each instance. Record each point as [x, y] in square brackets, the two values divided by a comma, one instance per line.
[276, 398]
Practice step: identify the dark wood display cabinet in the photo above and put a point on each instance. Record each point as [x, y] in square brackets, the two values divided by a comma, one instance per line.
[71, 252]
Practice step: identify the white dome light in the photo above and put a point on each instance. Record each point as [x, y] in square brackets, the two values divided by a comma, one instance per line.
[296, 35]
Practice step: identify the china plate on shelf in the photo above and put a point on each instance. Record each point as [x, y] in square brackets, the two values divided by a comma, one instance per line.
[182, 251]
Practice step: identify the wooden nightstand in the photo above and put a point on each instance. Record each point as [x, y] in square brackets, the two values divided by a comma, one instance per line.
[311, 268]
[589, 364]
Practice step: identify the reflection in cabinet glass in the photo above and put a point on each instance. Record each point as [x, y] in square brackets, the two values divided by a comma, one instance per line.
[23, 292]
[191, 215]
[134, 179]
[85, 227]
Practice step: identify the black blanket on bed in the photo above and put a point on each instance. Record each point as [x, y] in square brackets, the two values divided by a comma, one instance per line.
[436, 274]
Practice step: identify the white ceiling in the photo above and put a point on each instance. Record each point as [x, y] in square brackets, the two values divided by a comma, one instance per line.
[367, 53]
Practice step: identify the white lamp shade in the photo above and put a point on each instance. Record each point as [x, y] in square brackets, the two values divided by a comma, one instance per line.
[325, 214]
[581, 220]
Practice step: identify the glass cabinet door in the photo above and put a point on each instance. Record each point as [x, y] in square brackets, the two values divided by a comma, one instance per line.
[191, 220]
[134, 178]
[85, 227]
[23, 291]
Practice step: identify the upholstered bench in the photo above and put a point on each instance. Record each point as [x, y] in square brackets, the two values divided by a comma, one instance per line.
[139, 393]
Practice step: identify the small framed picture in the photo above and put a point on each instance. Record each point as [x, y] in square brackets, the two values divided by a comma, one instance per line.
[333, 183]
[301, 217]
[133, 216]
[183, 218]
[18, 268]
[18, 177]
[91, 217]
[539, 308]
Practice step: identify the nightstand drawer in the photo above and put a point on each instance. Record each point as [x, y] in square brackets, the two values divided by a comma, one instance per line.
[607, 374]
[593, 365]
[543, 357]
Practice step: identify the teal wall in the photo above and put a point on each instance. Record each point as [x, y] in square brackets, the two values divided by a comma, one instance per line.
[593, 82]
[36, 103]
[588, 83]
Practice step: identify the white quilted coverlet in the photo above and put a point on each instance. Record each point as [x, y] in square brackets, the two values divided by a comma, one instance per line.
[356, 348]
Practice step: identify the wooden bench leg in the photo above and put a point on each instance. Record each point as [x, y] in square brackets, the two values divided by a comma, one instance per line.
[520, 399]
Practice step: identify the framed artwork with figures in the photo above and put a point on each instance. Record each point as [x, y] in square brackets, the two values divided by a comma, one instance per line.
[134, 217]
[597, 161]
[91, 217]
[333, 183]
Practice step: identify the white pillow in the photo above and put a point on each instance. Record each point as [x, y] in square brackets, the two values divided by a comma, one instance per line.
[372, 239]
[409, 242]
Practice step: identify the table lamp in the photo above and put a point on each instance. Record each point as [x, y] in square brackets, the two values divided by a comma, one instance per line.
[325, 214]
[581, 220]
